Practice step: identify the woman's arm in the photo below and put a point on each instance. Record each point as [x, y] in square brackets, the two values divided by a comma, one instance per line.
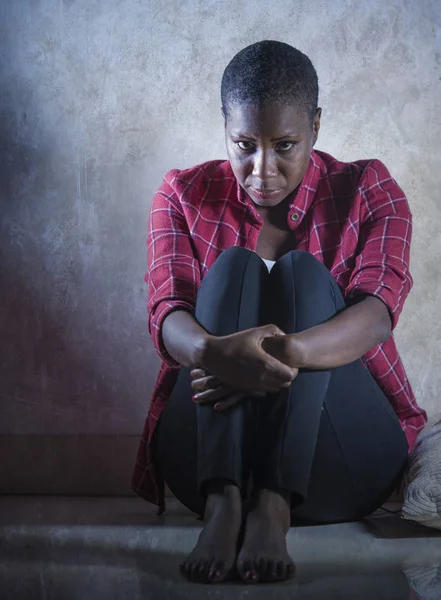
[173, 273]
[380, 275]
[237, 359]
[339, 341]
[184, 339]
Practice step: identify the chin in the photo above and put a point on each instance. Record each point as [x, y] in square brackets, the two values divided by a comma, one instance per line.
[267, 203]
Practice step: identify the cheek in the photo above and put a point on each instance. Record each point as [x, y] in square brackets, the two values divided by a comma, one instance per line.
[301, 159]
[239, 165]
[294, 170]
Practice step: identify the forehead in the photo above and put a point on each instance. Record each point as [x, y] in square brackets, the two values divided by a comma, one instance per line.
[274, 119]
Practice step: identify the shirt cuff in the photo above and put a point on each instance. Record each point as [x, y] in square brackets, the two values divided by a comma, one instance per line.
[155, 327]
[381, 291]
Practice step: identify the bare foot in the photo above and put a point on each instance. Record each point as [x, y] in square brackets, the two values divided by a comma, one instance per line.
[264, 556]
[214, 555]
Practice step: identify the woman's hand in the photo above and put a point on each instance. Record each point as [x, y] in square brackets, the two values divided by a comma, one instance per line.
[241, 362]
[209, 388]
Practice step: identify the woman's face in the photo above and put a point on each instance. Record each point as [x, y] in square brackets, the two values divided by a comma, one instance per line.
[269, 148]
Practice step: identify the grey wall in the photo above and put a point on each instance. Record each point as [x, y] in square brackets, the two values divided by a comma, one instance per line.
[98, 100]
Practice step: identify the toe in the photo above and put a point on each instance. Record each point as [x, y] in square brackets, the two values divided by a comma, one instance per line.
[216, 572]
[271, 571]
[281, 570]
[290, 570]
[190, 569]
[184, 569]
[251, 576]
[200, 572]
[261, 567]
[242, 566]
[247, 571]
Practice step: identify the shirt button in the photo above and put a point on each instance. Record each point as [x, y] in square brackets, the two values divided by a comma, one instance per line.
[295, 217]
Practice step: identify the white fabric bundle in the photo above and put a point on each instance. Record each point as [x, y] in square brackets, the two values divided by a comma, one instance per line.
[425, 581]
[422, 492]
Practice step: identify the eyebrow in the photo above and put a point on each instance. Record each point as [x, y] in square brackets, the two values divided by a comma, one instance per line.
[287, 135]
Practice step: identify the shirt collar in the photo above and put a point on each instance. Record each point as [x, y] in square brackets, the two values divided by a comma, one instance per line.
[302, 199]
[307, 189]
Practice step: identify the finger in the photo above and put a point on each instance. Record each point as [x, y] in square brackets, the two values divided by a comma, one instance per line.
[278, 370]
[278, 373]
[271, 386]
[288, 383]
[211, 395]
[198, 373]
[205, 383]
[231, 401]
[272, 329]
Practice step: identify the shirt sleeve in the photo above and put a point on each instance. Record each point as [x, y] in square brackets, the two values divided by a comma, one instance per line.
[382, 260]
[173, 274]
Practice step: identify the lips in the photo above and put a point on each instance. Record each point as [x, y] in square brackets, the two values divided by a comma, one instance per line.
[265, 193]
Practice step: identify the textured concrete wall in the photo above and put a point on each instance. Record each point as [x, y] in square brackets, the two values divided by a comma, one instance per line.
[99, 99]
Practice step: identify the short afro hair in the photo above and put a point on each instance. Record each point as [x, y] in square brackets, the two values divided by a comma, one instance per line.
[269, 71]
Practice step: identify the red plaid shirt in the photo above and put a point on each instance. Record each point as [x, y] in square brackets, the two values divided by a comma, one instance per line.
[353, 217]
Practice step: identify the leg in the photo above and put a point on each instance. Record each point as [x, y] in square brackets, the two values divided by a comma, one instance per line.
[297, 298]
[319, 458]
[198, 449]
[361, 451]
[353, 449]
[228, 300]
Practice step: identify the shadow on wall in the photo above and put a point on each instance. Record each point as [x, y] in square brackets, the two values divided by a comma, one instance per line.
[41, 386]
[67, 422]
[46, 387]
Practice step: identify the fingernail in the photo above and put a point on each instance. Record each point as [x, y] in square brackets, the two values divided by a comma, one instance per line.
[214, 574]
[250, 576]
[217, 407]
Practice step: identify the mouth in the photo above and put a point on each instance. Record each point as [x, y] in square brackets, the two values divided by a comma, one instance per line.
[264, 194]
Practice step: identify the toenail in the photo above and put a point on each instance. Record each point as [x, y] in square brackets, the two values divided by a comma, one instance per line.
[250, 576]
[290, 571]
[214, 574]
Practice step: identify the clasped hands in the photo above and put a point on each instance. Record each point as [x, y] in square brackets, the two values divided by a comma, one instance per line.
[271, 344]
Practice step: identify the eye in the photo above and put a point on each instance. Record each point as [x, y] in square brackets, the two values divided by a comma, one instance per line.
[249, 146]
[243, 142]
[290, 144]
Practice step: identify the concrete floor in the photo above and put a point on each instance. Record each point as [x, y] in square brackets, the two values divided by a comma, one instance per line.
[68, 548]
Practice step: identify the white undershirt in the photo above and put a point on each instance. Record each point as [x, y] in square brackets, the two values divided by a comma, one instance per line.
[269, 263]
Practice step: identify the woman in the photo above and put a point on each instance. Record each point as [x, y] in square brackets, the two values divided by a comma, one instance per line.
[275, 280]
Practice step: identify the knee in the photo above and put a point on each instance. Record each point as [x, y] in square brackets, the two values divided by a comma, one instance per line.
[237, 254]
[234, 251]
[230, 266]
[299, 261]
[309, 273]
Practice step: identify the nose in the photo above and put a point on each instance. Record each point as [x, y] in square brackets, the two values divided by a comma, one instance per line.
[265, 165]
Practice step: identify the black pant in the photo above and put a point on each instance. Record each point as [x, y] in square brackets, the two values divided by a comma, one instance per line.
[332, 438]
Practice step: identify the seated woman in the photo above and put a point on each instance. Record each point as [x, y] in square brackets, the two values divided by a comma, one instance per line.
[275, 279]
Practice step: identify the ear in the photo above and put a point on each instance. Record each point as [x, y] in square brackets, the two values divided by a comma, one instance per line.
[316, 125]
